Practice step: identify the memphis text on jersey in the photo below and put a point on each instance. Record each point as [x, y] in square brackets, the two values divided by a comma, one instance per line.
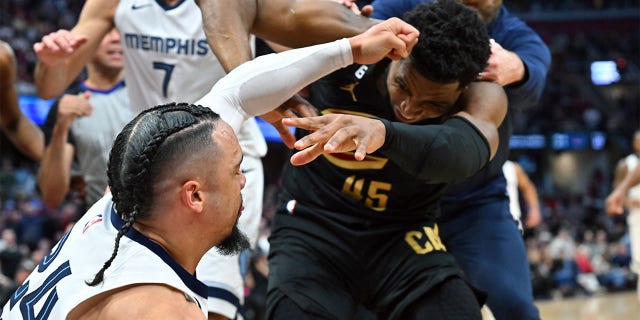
[186, 47]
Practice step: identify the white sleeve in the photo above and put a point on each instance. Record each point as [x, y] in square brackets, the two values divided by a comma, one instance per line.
[260, 85]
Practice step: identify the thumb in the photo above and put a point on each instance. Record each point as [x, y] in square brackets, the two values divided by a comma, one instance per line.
[366, 11]
[86, 95]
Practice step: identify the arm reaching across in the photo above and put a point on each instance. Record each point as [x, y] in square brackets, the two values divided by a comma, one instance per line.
[55, 168]
[288, 22]
[22, 133]
[228, 25]
[530, 196]
[400, 142]
[614, 203]
[250, 90]
[63, 54]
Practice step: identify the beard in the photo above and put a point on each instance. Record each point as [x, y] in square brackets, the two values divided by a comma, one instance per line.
[234, 243]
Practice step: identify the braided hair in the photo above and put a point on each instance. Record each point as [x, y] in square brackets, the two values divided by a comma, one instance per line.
[146, 146]
[453, 43]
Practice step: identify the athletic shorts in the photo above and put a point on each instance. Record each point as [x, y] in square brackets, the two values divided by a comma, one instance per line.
[222, 274]
[327, 268]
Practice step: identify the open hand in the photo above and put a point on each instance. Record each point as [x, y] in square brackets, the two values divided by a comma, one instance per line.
[57, 46]
[333, 133]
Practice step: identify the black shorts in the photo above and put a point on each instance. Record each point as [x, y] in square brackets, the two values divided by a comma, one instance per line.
[328, 269]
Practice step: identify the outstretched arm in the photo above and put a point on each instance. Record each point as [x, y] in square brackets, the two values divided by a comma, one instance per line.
[23, 133]
[250, 90]
[63, 54]
[293, 23]
[430, 152]
[55, 169]
[530, 196]
[615, 201]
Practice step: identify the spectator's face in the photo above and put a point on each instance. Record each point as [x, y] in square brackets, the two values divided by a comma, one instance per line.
[487, 9]
[636, 142]
[415, 98]
[109, 53]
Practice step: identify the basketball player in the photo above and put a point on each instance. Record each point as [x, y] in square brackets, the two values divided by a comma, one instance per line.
[518, 181]
[175, 177]
[23, 133]
[625, 181]
[363, 232]
[164, 47]
[476, 224]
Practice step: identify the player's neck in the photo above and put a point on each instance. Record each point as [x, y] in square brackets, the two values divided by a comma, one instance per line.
[103, 81]
[171, 3]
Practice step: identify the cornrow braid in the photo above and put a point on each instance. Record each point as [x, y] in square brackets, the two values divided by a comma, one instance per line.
[141, 151]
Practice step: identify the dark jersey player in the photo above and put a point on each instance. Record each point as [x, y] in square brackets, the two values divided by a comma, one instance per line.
[476, 224]
[352, 232]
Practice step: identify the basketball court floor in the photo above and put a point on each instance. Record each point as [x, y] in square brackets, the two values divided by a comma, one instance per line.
[612, 306]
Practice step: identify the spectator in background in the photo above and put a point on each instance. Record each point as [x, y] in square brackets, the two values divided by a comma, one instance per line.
[81, 127]
[23, 133]
[627, 193]
[518, 183]
[476, 225]
[10, 255]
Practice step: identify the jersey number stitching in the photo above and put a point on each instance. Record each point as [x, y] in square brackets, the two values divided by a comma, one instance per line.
[168, 68]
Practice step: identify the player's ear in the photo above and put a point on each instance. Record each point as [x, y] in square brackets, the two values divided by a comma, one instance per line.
[192, 195]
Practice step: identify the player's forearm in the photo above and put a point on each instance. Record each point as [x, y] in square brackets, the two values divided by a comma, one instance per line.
[250, 89]
[54, 172]
[536, 58]
[227, 25]
[631, 179]
[51, 81]
[28, 138]
[446, 153]
[530, 196]
[307, 22]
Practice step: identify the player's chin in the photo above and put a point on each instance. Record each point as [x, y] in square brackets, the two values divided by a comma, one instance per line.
[235, 243]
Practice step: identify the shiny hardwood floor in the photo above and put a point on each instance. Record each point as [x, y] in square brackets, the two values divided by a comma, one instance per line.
[612, 306]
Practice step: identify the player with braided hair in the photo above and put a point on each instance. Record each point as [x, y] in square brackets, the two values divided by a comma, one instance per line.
[175, 179]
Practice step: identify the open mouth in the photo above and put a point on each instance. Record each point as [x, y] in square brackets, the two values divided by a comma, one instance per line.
[115, 52]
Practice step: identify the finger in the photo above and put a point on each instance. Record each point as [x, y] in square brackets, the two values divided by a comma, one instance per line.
[78, 41]
[309, 123]
[287, 137]
[307, 155]
[361, 148]
[52, 45]
[38, 47]
[366, 11]
[307, 110]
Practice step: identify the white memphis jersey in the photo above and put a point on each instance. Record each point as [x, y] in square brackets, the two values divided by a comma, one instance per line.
[57, 285]
[632, 161]
[509, 170]
[168, 59]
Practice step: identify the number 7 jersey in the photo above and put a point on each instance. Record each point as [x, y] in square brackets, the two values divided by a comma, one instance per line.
[167, 57]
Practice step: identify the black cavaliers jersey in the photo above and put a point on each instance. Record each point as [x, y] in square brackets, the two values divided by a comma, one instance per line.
[374, 188]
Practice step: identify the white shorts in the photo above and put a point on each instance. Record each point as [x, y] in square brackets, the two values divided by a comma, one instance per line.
[222, 274]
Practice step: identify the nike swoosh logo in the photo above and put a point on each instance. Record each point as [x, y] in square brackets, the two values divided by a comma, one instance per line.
[134, 7]
[247, 170]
